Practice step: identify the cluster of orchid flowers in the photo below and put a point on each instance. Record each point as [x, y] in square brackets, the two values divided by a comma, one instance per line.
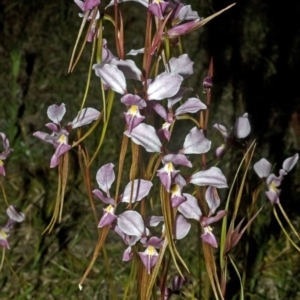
[131, 226]
[181, 18]
[13, 214]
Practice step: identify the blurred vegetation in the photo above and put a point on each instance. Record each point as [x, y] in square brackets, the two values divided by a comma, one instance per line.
[255, 47]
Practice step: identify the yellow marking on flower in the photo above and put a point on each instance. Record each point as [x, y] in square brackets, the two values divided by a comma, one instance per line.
[109, 209]
[151, 251]
[133, 110]
[3, 235]
[272, 187]
[63, 139]
[166, 125]
[169, 167]
[175, 190]
[208, 229]
[1, 163]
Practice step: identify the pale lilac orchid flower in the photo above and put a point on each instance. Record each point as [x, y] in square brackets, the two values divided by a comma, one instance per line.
[174, 288]
[59, 136]
[13, 216]
[134, 191]
[132, 116]
[88, 5]
[263, 170]
[4, 155]
[191, 210]
[240, 130]
[167, 173]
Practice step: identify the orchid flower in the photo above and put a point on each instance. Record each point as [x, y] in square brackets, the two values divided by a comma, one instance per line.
[59, 136]
[168, 173]
[13, 216]
[240, 130]
[191, 210]
[263, 169]
[4, 155]
[174, 288]
[134, 191]
[133, 116]
[85, 6]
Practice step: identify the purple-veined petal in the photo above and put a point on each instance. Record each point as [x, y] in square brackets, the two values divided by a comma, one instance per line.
[128, 254]
[177, 283]
[56, 112]
[187, 14]
[90, 4]
[53, 127]
[274, 181]
[155, 242]
[164, 134]
[195, 142]
[3, 239]
[273, 196]
[112, 77]
[191, 105]
[149, 258]
[167, 175]
[108, 217]
[141, 189]
[182, 65]
[164, 86]
[107, 56]
[54, 161]
[205, 221]
[262, 168]
[207, 83]
[130, 100]
[209, 238]
[242, 127]
[190, 208]
[5, 141]
[213, 176]
[212, 198]
[14, 214]
[87, 4]
[106, 200]
[128, 67]
[181, 29]
[131, 223]
[2, 170]
[222, 129]
[181, 227]
[154, 220]
[133, 119]
[158, 8]
[159, 109]
[145, 136]
[220, 151]
[177, 159]
[84, 117]
[290, 162]
[44, 136]
[59, 151]
[105, 177]
[178, 96]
